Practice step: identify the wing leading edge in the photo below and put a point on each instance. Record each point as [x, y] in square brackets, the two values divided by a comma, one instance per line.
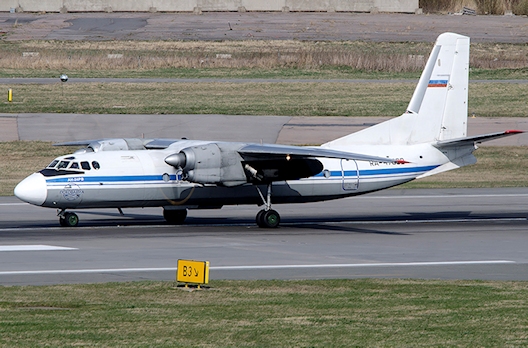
[270, 150]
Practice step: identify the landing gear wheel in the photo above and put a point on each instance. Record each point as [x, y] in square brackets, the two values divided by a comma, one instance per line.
[175, 217]
[259, 219]
[69, 220]
[268, 219]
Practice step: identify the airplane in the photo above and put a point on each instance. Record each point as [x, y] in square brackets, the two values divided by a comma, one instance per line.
[430, 137]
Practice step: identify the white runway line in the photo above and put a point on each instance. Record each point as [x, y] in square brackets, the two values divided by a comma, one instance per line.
[38, 247]
[356, 265]
[235, 268]
[438, 196]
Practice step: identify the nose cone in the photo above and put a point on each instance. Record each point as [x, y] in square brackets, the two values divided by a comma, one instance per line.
[32, 189]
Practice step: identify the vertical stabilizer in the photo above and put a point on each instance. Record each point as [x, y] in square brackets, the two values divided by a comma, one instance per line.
[438, 108]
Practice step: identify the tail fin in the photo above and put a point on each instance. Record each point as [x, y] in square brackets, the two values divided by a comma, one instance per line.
[438, 108]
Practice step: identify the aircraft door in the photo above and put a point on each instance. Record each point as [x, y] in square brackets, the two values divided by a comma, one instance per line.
[349, 175]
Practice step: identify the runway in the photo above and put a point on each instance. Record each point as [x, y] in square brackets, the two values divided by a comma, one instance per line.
[430, 234]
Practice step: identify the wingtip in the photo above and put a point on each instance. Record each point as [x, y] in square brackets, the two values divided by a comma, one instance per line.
[514, 131]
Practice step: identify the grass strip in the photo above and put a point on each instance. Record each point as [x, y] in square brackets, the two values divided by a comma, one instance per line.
[18, 159]
[496, 167]
[39, 58]
[318, 313]
[298, 99]
[339, 72]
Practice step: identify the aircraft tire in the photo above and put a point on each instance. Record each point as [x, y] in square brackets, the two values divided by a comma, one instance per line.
[69, 220]
[259, 219]
[175, 217]
[268, 219]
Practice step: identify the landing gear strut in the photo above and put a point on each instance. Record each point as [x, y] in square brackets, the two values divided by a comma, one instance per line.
[68, 219]
[267, 217]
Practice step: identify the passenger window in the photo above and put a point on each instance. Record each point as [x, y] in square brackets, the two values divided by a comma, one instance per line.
[53, 164]
[85, 165]
[96, 165]
[63, 164]
[74, 165]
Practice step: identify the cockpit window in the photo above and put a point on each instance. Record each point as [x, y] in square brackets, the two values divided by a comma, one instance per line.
[74, 165]
[85, 166]
[96, 165]
[63, 164]
[53, 164]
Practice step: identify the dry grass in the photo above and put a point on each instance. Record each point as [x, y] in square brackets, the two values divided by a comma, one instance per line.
[18, 159]
[74, 56]
[494, 7]
[246, 54]
[505, 164]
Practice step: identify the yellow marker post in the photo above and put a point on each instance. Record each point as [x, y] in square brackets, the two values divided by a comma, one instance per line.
[10, 95]
[194, 272]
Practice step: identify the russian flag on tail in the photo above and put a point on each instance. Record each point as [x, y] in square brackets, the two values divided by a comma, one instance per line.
[437, 83]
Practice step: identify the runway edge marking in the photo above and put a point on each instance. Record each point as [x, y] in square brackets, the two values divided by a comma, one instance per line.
[235, 268]
[33, 247]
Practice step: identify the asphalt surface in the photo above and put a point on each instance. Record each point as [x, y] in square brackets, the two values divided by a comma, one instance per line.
[316, 26]
[430, 234]
[268, 129]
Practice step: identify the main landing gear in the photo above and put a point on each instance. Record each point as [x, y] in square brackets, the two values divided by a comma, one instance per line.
[68, 219]
[267, 217]
[175, 216]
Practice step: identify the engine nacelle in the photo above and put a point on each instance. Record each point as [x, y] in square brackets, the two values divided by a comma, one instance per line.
[213, 163]
[117, 144]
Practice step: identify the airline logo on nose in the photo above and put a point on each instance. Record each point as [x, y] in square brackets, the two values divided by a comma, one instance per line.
[71, 193]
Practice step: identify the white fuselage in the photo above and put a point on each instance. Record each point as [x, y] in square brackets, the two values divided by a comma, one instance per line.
[141, 178]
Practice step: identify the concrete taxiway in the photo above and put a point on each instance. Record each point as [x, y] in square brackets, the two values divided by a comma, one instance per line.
[289, 130]
[216, 26]
[446, 234]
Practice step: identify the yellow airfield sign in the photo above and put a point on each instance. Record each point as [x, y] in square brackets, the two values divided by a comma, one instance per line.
[190, 271]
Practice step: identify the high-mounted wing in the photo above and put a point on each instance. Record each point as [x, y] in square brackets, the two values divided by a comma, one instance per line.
[233, 164]
[120, 144]
[270, 150]
[268, 162]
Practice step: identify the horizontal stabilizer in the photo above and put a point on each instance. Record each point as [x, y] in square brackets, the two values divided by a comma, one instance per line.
[475, 139]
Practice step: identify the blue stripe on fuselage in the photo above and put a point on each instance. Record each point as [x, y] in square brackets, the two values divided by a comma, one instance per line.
[384, 171]
[120, 178]
[153, 178]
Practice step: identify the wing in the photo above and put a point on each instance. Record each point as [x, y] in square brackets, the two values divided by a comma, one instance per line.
[122, 144]
[272, 151]
[232, 164]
